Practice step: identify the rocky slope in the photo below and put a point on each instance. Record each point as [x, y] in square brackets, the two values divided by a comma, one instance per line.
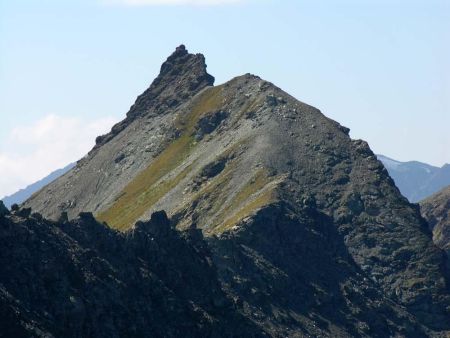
[417, 180]
[436, 209]
[307, 231]
[132, 144]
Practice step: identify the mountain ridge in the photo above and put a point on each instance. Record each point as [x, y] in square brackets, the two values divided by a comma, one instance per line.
[300, 219]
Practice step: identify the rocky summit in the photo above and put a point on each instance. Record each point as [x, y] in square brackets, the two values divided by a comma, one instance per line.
[294, 228]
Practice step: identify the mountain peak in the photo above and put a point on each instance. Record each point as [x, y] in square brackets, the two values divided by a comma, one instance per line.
[179, 51]
[181, 64]
[181, 76]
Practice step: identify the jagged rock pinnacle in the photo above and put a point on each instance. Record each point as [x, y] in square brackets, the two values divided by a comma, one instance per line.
[190, 69]
[181, 76]
[179, 51]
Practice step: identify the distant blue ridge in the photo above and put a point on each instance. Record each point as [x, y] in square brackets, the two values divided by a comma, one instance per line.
[23, 194]
[416, 180]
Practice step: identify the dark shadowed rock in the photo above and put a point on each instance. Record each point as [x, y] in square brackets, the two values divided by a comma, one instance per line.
[208, 123]
[160, 217]
[3, 210]
[436, 210]
[23, 212]
[63, 218]
[83, 279]
[304, 268]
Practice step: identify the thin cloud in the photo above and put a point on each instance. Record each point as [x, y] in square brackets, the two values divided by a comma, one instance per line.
[31, 152]
[171, 2]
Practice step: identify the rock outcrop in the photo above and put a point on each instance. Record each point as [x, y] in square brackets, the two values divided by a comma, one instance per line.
[436, 210]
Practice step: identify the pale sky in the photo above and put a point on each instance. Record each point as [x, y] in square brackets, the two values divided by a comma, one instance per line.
[70, 69]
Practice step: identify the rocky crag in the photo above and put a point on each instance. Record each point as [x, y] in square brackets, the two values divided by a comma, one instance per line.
[436, 209]
[307, 232]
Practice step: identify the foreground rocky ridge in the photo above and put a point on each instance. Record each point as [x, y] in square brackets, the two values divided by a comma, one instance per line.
[307, 231]
[270, 278]
[82, 279]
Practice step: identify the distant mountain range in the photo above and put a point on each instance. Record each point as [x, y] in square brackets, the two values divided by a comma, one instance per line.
[417, 180]
[23, 194]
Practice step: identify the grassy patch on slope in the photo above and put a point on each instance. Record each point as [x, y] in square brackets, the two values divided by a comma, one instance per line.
[251, 197]
[148, 187]
[262, 199]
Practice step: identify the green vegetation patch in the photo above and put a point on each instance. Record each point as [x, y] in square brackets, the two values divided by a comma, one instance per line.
[253, 186]
[264, 198]
[148, 187]
[214, 192]
[220, 214]
[145, 189]
[256, 193]
[208, 101]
